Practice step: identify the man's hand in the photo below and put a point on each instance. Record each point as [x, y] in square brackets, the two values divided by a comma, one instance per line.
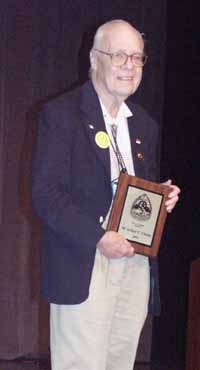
[114, 245]
[173, 196]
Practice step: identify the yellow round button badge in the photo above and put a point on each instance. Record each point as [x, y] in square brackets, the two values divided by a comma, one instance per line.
[102, 139]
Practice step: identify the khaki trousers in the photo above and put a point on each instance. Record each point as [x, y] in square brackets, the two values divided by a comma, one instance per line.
[102, 333]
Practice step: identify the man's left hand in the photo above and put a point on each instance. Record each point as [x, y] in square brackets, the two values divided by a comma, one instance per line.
[173, 196]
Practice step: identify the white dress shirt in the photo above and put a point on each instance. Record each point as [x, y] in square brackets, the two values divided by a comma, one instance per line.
[123, 141]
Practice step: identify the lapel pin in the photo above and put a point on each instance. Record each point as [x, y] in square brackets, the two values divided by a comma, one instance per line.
[102, 139]
[91, 126]
[140, 156]
[138, 141]
[101, 219]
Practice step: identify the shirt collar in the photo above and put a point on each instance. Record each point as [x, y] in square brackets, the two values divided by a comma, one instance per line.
[124, 111]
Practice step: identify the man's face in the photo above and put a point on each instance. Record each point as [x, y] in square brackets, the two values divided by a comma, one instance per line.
[118, 82]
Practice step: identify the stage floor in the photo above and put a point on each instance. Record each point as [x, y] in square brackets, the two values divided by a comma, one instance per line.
[45, 365]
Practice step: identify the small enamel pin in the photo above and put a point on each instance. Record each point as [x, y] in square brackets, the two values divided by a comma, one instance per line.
[102, 139]
[140, 156]
[138, 141]
[101, 219]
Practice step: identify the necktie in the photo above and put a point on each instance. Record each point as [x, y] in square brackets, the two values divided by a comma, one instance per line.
[116, 149]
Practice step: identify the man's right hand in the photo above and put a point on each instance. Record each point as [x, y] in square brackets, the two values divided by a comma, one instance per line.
[114, 245]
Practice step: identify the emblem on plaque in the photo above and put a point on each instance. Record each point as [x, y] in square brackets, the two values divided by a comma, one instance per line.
[141, 208]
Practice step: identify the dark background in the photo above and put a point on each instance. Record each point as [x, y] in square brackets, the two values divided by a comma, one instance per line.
[180, 160]
[43, 52]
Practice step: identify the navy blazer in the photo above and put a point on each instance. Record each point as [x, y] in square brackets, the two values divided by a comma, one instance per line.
[71, 189]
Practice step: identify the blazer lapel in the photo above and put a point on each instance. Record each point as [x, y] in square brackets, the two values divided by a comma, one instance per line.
[94, 122]
[137, 143]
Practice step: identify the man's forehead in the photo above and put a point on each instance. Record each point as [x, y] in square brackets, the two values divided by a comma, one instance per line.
[122, 38]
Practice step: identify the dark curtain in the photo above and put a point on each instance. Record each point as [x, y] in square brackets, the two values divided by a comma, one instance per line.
[180, 161]
[40, 57]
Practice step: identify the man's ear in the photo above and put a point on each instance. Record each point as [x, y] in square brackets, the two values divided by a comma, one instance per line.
[93, 60]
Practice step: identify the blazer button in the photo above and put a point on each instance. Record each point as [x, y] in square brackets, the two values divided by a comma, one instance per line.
[101, 219]
[140, 156]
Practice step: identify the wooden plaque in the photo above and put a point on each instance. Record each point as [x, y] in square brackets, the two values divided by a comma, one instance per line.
[139, 213]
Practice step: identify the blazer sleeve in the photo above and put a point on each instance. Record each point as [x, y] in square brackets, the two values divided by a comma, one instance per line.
[51, 186]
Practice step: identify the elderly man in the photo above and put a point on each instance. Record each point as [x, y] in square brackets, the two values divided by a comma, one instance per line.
[99, 290]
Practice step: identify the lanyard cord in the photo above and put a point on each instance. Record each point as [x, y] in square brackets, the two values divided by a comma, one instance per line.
[116, 150]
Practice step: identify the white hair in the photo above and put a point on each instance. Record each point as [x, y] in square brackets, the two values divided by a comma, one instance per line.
[104, 28]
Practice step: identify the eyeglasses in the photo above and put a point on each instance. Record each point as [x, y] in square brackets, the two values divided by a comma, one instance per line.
[120, 58]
